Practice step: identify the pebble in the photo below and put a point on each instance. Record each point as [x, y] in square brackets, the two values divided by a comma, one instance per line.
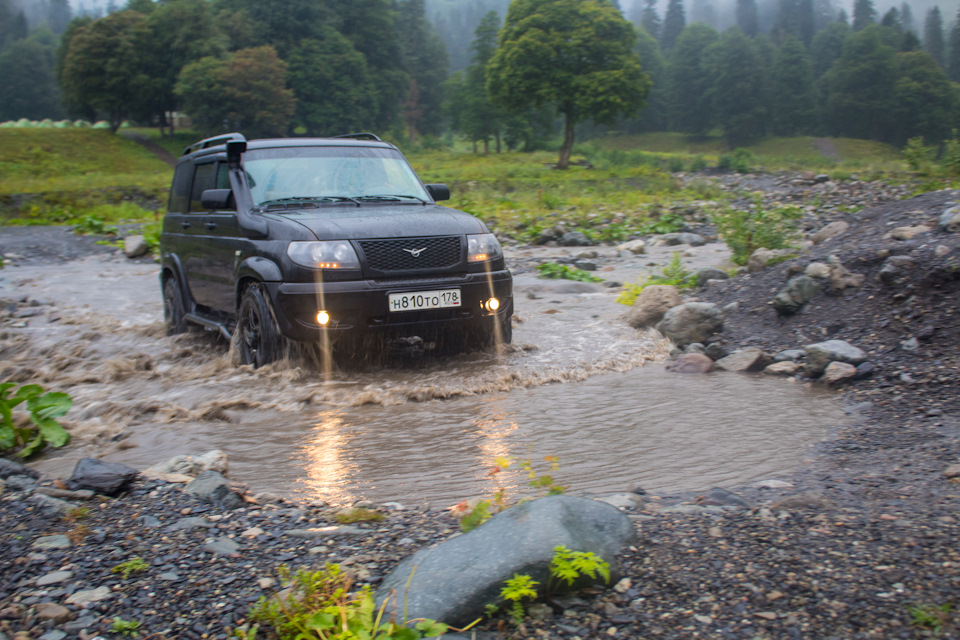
[54, 578]
[89, 596]
[326, 532]
[222, 546]
[52, 542]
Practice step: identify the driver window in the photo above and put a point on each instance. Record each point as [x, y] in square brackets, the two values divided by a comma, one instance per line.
[203, 179]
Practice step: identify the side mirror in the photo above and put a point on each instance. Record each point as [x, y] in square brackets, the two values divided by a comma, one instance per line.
[438, 191]
[218, 200]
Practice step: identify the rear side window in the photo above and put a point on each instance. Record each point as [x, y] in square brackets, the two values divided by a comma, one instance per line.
[180, 189]
[203, 179]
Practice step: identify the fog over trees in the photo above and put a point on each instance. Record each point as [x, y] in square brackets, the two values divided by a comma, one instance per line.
[425, 70]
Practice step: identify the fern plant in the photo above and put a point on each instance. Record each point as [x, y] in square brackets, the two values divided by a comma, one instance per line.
[568, 566]
[517, 589]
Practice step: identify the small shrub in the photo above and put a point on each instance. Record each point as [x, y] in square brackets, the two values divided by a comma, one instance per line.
[673, 274]
[92, 225]
[567, 566]
[930, 616]
[517, 589]
[359, 514]
[43, 410]
[918, 157]
[476, 517]
[666, 223]
[739, 160]
[675, 164]
[747, 229]
[699, 163]
[129, 628]
[554, 270]
[129, 567]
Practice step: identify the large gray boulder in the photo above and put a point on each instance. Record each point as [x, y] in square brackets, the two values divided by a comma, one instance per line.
[213, 488]
[821, 354]
[691, 322]
[455, 580]
[651, 305]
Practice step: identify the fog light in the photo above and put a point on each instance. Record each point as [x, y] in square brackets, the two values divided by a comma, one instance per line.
[323, 317]
[492, 304]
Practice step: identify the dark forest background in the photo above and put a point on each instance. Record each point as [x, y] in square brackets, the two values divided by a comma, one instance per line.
[418, 70]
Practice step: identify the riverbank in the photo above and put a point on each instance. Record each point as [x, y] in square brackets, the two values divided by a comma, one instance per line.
[853, 545]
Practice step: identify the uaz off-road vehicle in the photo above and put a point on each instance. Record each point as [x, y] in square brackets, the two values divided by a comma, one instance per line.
[324, 238]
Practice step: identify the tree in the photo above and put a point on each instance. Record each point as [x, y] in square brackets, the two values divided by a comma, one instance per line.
[933, 35]
[425, 60]
[737, 89]
[906, 17]
[673, 24]
[246, 91]
[650, 20]
[102, 65]
[281, 24]
[864, 14]
[953, 57]
[827, 47]
[794, 92]
[690, 80]
[655, 114]
[58, 16]
[747, 17]
[30, 86]
[891, 20]
[574, 54]
[861, 83]
[331, 82]
[924, 100]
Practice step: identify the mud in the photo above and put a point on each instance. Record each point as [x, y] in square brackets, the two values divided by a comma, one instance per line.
[577, 383]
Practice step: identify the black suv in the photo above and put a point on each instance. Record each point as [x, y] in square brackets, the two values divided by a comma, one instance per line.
[322, 239]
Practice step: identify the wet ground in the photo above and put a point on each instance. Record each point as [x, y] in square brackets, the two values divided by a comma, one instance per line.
[577, 383]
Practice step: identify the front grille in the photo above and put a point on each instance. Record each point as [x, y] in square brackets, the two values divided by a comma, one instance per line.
[398, 255]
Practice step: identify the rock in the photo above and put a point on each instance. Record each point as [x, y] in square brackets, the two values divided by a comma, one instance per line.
[693, 347]
[188, 524]
[54, 492]
[953, 471]
[623, 500]
[51, 542]
[760, 258]
[691, 322]
[54, 634]
[51, 507]
[326, 532]
[832, 230]
[135, 246]
[788, 355]
[837, 372]
[586, 265]
[715, 351]
[108, 478]
[53, 578]
[717, 497]
[941, 250]
[11, 468]
[213, 488]
[186, 465]
[798, 292]
[265, 497]
[950, 220]
[52, 611]
[806, 500]
[575, 239]
[772, 484]
[821, 354]
[819, 270]
[673, 239]
[222, 546]
[691, 363]
[841, 278]
[548, 235]
[635, 247]
[865, 370]
[89, 596]
[893, 268]
[910, 344]
[784, 368]
[701, 276]
[651, 305]
[748, 359]
[905, 233]
[252, 532]
[457, 578]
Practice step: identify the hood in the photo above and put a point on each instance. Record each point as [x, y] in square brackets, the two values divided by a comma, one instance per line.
[348, 222]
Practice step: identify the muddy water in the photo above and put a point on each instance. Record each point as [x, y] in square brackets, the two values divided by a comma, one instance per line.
[412, 428]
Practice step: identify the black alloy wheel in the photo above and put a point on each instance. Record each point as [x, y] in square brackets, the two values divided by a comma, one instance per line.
[258, 338]
[173, 313]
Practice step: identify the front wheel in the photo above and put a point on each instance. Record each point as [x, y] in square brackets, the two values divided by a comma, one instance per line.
[258, 337]
[173, 314]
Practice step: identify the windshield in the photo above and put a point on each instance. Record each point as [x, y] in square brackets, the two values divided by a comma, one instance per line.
[332, 173]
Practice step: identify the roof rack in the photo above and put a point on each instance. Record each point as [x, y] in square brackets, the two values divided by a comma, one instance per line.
[213, 142]
[360, 136]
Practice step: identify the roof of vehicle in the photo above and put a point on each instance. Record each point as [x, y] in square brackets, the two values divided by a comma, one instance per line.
[218, 144]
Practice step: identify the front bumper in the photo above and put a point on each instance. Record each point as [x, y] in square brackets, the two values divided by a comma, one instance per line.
[359, 307]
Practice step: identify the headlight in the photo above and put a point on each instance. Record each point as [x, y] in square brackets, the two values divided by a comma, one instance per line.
[332, 254]
[483, 247]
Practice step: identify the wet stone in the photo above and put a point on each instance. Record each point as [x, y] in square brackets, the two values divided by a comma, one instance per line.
[54, 578]
[52, 542]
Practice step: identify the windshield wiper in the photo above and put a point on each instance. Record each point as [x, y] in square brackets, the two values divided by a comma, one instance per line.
[390, 196]
[299, 199]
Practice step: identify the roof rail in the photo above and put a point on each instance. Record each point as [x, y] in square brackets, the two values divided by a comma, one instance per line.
[360, 136]
[213, 142]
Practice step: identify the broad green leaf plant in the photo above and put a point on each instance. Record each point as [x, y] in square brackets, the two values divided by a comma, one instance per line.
[43, 409]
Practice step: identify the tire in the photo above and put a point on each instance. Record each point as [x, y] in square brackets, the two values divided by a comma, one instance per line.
[174, 315]
[258, 337]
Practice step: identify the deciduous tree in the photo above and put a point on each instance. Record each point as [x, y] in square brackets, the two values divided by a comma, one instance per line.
[924, 100]
[861, 83]
[691, 79]
[576, 55]
[29, 83]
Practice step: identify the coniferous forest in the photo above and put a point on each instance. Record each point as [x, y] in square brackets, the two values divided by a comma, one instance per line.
[423, 70]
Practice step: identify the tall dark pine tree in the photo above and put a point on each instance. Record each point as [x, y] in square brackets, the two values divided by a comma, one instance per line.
[702, 11]
[650, 20]
[906, 17]
[691, 80]
[58, 16]
[673, 24]
[737, 88]
[747, 17]
[891, 20]
[933, 35]
[823, 14]
[794, 92]
[953, 53]
[806, 21]
[864, 14]
[425, 59]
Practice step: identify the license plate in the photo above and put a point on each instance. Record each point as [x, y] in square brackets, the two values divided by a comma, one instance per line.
[418, 300]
